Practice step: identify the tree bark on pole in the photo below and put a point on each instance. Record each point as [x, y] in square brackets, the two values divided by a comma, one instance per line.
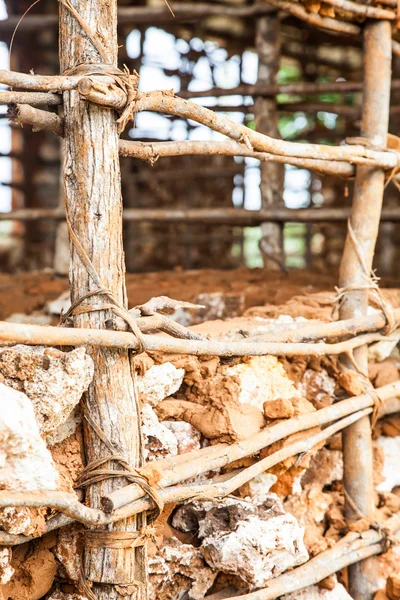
[266, 121]
[366, 211]
[94, 203]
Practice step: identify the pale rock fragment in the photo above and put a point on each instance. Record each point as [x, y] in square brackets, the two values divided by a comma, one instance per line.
[258, 488]
[325, 467]
[6, 570]
[36, 318]
[59, 595]
[179, 571]
[381, 350]
[390, 447]
[25, 462]
[60, 304]
[159, 441]
[262, 378]
[159, 382]
[53, 380]
[318, 387]
[254, 542]
[313, 592]
[68, 550]
[187, 436]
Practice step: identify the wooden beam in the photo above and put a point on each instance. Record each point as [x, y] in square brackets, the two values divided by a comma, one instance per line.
[365, 217]
[92, 183]
[150, 15]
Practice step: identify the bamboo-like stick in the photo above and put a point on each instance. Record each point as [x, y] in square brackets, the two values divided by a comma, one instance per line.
[355, 270]
[54, 336]
[24, 114]
[194, 463]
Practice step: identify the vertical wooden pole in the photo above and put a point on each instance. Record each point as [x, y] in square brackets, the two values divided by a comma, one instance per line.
[266, 121]
[366, 210]
[93, 200]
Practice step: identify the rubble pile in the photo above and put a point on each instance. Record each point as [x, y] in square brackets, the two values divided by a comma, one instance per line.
[273, 523]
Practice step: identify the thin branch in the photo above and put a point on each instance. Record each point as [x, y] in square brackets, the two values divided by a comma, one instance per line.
[69, 504]
[173, 470]
[23, 114]
[298, 10]
[151, 151]
[33, 98]
[167, 103]
[363, 10]
[55, 336]
[44, 83]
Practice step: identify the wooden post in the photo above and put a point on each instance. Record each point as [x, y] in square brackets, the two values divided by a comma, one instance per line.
[266, 121]
[366, 210]
[93, 201]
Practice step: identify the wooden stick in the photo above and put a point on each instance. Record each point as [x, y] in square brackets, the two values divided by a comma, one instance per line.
[303, 88]
[33, 98]
[364, 10]
[298, 10]
[166, 103]
[54, 336]
[220, 216]
[94, 204]
[152, 15]
[194, 463]
[69, 505]
[23, 114]
[355, 270]
[152, 151]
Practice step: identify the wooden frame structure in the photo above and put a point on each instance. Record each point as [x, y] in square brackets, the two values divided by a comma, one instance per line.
[92, 90]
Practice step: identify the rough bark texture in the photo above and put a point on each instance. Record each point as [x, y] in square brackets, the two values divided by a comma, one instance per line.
[266, 119]
[367, 203]
[93, 199]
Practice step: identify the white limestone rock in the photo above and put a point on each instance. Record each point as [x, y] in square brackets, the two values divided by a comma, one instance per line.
[25, 462]
[36, 318]
[60, 304]
[313, 592]
[179, 571]
[262, 378]
[68, 550]
[254, 542]
[159, 441]
[187, 436]
[390, 447]
[259, 487]
[159, 382]
[53, 380]
[6, 570]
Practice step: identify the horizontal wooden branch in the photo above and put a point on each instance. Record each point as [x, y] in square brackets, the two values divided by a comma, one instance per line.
[32, 98]
[55, 336]
[151, 151]
[69, 504]
[24, 114]
[167, 103]
[302, 89]
[177, 469]
[213, 216]
[363, 10]
[221, 486]
[151, 15]
[298, 10]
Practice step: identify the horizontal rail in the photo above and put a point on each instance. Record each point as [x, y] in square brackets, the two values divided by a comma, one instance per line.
[213, 216]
